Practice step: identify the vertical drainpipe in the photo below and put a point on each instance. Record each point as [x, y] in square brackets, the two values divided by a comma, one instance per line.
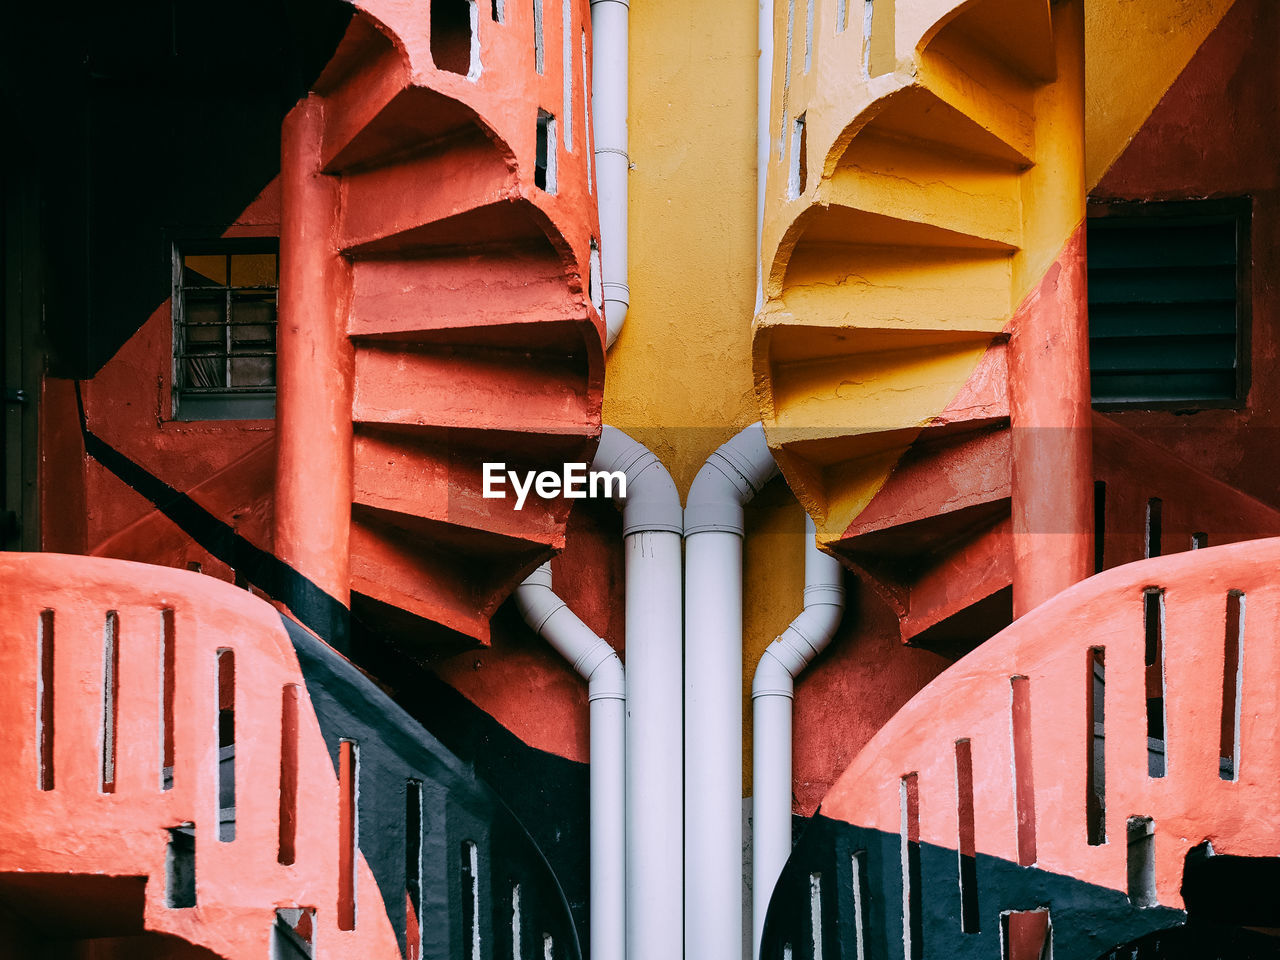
[652, 525]
[772, 694]
[713, 529]
[597, 663]
[1049, 392]
[609, 26]
[314, 365]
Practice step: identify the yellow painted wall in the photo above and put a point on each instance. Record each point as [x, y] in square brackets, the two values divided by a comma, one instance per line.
[679, 377]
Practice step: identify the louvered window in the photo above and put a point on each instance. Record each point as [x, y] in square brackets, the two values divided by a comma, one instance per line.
[1169, 303]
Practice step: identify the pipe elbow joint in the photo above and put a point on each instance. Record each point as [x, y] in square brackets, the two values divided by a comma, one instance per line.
[535, 599]
[731, 476]
[607, 680]
[651, 501]
[772, 677]
[617, 301]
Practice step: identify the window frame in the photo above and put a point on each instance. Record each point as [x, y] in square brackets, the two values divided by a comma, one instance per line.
[1185, 211]
[227, 403]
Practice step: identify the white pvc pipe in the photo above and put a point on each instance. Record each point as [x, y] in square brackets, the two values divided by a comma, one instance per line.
[652, 523]
[772, 693]
[596, 661]
[764, 108]
[609, 41]
[713, 693]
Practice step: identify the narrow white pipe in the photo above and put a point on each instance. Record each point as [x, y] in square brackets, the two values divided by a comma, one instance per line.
[596, 661]
[772, 693]
[652, 524]
[764, 108]
[609, 41]
[713, 523]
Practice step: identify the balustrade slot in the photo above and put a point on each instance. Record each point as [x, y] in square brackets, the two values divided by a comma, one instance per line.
[1023, 781]
[498, 11]
[808, 37]
[1142, 861]
[180, 867]
[413, 868]
[815, 913]
[470, 877]
[539, 52]
[912, 917]
[168, 671]
[861, 896]
[548, 947]
[44, 699]
[517, 946]
[842, 15]
[966, 847]
[110, 699]
[1154, 526]
[1153, 659]
[226, 660]
[287, 844]
[566, 70]
[1232, 688]
[1099, 524]
[544, 170]
[1026, 935]
[348, 830]
[453, 35]
[799, 158]
[1095, 755]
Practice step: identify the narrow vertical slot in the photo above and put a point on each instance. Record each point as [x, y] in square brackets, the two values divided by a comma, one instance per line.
[539, 53]
[787, 952]
[1153, 620]
[287, 848]
[595, 288]
[1142, 861]
[1095, 748]
[180, 867]
[348, 830]
[912, 919]
[544, 169]
[1154, 526]
[586, 112]
[808, 36]
[966, 846]
[1023, 782]
[413, 868]
[44, 700]
[791, 26]
[1099, 524]
[842, 15]
[566, 69]
[1199, 540]
[799, 158]
[453, 35]
[226, 744]
[168, 673]
[1232, 687]
[470, 876]
[1026, 935]
[548, 947]
[861, 896]
[294, 934]
[498, 11]
[110, 699]
[517, 933]
[815, 913]
[868, 22]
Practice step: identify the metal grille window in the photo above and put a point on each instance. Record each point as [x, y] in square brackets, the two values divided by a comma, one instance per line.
[224, 336]
[1169, 303]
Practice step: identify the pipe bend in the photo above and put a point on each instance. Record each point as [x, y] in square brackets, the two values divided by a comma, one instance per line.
[535, 600]
[652, 502]
[607, 680]
[731, 476]
[772, 678]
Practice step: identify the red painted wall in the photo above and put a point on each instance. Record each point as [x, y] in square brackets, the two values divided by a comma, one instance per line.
[1214, 135]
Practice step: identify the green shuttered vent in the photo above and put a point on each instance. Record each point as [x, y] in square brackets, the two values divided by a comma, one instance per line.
[1167, 319]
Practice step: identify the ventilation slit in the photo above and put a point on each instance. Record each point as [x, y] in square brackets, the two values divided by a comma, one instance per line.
[967, 847]
[1199, 540]
[544, 169]
[1142, 861]
[348, 830]
[815, 914]
[1099, 524]
[1232, 687]
[168, 671]
[539, 55]
[452, 34]
[1095, 757]
[226, 744]
[180, 867]
[799, 158]
[860, 898]
[287, 850]
[1153, 618]
[110, 698]
[44, 700]
[470, 873]
[1023, 783]
[912, 920]
[413, 868]
[1154, 524]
